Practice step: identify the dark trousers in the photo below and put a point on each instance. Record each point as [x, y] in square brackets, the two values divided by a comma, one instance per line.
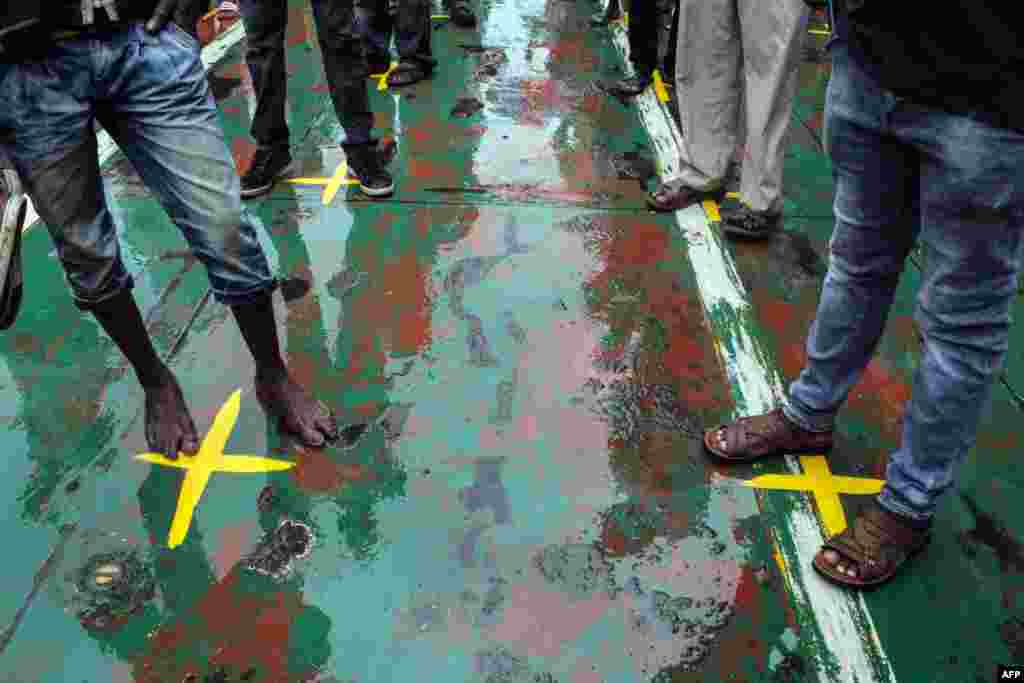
[341, 42]
[411, 27]
[646, 17]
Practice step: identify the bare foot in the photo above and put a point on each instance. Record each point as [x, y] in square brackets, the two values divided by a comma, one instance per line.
[298, 412]
[169, 426]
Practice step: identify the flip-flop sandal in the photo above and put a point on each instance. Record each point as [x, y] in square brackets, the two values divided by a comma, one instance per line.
[764, 436]
[407, 73]
[12, 221]
[877, 545]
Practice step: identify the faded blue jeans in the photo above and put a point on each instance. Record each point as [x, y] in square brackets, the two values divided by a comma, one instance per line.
[151, 95]
[905, 173]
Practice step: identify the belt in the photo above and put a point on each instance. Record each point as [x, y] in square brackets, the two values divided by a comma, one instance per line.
[99, 15]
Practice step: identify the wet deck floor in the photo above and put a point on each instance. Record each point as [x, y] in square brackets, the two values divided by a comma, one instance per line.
[525, 358]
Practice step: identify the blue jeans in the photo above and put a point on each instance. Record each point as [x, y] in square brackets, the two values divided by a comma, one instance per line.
[905, 173]
[151, 95]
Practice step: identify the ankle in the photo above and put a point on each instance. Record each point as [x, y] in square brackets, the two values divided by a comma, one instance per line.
[797, 427]
[153, 377]
[271, 373]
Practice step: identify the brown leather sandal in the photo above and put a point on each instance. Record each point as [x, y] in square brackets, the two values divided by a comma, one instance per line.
[876, 545]
[763, 436]
[674, 195]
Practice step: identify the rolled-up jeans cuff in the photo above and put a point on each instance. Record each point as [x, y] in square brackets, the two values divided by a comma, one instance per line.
[247, 296]
[125, 282]
[892, 503]
[809, 423]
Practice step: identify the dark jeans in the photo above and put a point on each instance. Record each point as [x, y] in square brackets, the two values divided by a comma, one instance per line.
[151, 95]
[341, 42]
[412, 29]
[645, 20]
[906, 173]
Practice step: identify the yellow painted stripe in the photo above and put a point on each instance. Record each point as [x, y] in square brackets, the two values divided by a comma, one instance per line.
[711, 209]
[439, 16]
[857, 486]
[780, 482]
[252, 464]
[309, 181]
[659, 86]
[382, 84]
[340, 177]
[157, 459]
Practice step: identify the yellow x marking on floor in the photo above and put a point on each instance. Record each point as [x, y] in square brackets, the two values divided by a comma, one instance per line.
[382, 79]
[660, 87]
[819, 481]
[711, 207]
[333, 184]
[210, 459]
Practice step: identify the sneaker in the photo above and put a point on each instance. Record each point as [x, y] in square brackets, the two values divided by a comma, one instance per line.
[630, 86]
[268, 165]
[461, 14]
[378, 63]
[13, 209]
[742, 221]
[366, 166]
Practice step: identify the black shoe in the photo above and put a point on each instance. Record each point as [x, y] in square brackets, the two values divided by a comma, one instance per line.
[740, 220]
[13, 209]
[268, 165]
[366, 166]
[379, 64]
[631, 86]
[461, 14]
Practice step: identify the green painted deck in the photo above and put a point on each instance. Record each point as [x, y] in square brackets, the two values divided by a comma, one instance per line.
[525, 358]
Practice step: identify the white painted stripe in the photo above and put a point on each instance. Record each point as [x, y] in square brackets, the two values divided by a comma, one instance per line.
[211, 55]
[841, 616]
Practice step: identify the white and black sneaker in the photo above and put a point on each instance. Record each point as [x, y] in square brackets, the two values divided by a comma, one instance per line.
[366, 165]
[269, 165]
[13, 210]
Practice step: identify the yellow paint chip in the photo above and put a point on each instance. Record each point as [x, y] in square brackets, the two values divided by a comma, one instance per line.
[825, 487]
[210, 459]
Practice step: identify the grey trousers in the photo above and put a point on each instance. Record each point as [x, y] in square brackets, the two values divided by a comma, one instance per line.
[725, 45]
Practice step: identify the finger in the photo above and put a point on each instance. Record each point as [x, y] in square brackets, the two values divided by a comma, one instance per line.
[161, 15]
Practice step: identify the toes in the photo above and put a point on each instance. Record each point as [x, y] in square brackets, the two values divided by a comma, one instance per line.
[189, 437]
[327, 424]
[189, 444]
[841, 565]
[309, 435]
